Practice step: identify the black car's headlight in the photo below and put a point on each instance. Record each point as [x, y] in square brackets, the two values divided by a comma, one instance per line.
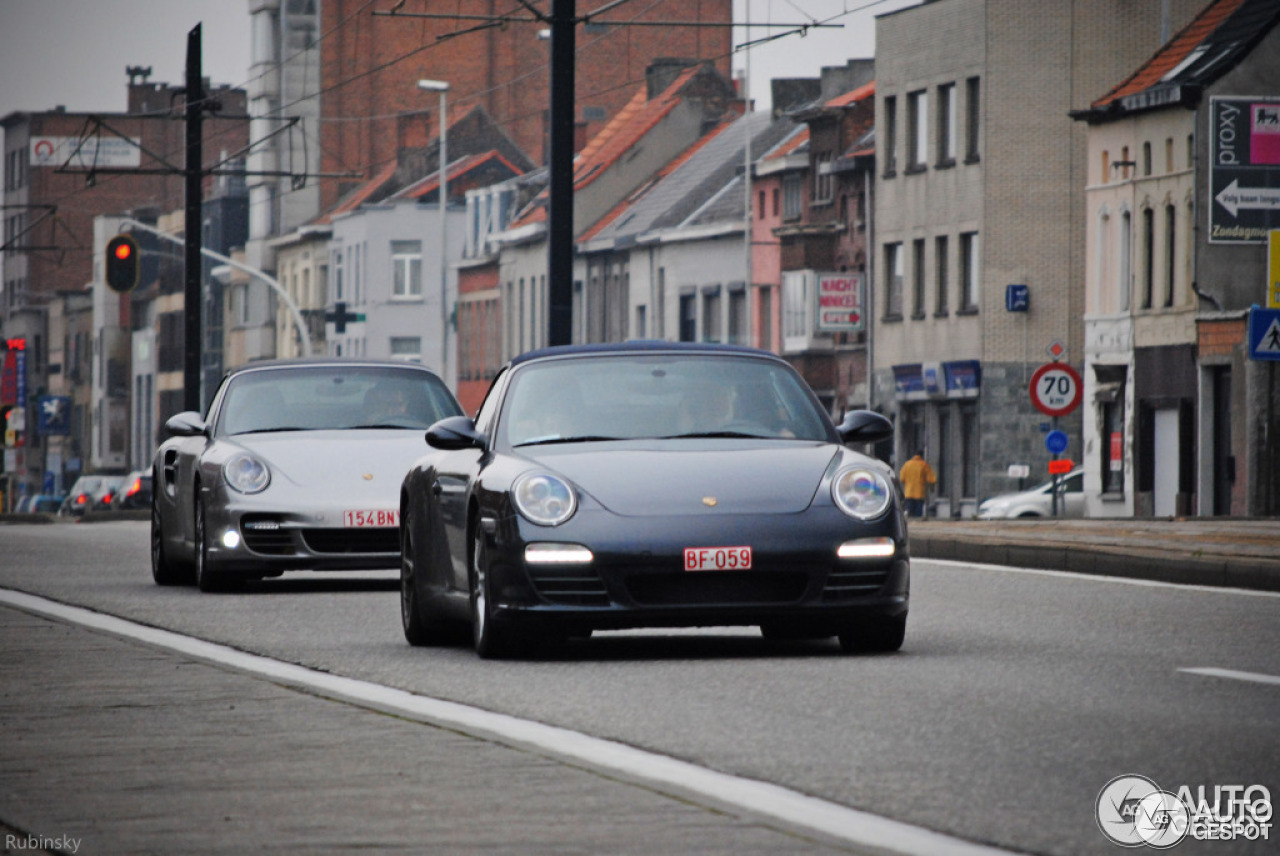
[861, 493]
[246, 474]
[544, 499]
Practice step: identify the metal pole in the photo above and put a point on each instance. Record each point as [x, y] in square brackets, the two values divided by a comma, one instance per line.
[560, 213]
[193, 296]
[444, 264]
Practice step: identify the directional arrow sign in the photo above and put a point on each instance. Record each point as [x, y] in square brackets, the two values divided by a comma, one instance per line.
[1234, 197]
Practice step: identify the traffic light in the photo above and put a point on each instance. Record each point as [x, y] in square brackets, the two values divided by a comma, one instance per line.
[122, 263]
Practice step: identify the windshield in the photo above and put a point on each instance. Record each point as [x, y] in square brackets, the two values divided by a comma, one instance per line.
[633, 397]
[333, 397]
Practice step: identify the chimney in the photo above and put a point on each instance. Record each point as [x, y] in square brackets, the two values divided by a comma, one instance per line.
[662, 72]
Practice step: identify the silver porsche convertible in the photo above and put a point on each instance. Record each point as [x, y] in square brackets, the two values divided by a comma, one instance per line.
[297, 465]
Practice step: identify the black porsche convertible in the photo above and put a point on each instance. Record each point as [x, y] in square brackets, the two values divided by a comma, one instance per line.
[652, 484]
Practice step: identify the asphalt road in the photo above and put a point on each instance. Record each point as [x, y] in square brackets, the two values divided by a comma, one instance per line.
[1016, 698]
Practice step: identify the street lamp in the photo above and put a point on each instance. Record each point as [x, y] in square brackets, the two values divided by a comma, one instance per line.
[442, 87]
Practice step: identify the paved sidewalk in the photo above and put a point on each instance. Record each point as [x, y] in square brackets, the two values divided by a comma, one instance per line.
[115, 747]
[1234, 552]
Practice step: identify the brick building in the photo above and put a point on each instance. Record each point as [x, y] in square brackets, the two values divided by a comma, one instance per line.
[52, 196]
[370, 66]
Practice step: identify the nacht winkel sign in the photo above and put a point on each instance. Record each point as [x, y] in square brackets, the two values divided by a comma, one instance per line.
[1244, 179]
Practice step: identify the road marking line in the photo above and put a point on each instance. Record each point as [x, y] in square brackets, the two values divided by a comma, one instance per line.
[1252, 677]
[667, 775]
[1075, 575]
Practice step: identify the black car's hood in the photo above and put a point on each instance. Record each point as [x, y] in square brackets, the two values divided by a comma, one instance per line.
[681, 477]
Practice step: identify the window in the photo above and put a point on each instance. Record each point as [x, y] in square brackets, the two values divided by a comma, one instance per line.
[1146, 158]
[917, 279]
[1168, 154]
[973, 112]
[711, 327]
[890, 152]
[792, 196]
[917, 129]
[946, 124]
[760, 209]
[406, 266]
[642, 327]
[738, 316]
[660, 309]
[1170, 253]
[1125, 279]
[688, 317]
[822, 177]
[969, 272]
[893, 282]
[764, 316]
[941, 261]
[776, 196]
[1148, 257]
[969, 442]
[1106, 166]
[406, 348]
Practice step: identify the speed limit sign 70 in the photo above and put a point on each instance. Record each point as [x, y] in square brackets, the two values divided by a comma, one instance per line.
[1056, 389]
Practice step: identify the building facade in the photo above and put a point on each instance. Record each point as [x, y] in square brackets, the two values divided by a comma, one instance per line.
[980, 217]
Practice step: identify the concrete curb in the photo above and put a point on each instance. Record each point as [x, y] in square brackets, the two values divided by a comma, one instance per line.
[1137, 561]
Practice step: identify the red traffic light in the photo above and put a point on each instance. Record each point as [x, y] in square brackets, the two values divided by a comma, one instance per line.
[122, 263]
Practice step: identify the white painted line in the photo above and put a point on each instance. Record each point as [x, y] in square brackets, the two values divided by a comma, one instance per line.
[1252, 677]
[667, 775]
[1073, 575]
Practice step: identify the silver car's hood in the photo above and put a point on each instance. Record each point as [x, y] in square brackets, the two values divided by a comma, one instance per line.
[688, 477]
[352, 464]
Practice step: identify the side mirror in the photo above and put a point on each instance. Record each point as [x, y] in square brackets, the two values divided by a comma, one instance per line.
[186, 424]
[864, 426]
[453, 433]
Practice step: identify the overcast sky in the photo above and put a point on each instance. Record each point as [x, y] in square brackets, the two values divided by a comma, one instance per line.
[74, 52]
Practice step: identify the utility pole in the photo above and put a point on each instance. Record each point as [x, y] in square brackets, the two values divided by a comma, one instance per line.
[193, 306]
[560, 213]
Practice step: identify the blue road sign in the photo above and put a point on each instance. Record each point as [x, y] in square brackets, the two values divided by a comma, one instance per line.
[1017, 298]
[1056, 442]
[1264, 334]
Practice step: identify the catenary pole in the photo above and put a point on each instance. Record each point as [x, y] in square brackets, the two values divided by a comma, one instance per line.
[560, 213]
[193, 305]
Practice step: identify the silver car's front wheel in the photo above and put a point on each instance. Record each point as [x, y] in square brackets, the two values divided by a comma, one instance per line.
[207, 577]
[164, 570]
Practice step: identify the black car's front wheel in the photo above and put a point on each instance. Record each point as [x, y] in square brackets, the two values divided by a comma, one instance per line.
[420, 626]
[879, 634]
[493, 640]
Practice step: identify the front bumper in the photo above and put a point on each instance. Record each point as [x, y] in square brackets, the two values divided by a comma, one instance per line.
[271, 541]
[637, 576]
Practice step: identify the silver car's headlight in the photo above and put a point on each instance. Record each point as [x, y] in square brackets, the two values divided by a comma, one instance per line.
[246, 474]
[544, 499]
[861, 493]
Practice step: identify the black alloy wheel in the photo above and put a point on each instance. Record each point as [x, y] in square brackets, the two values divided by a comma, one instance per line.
[492, 640]
[420, 627]
[875, 635]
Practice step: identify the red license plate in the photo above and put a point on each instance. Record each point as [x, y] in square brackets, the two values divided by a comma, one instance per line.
[365, 518]
[717, 558]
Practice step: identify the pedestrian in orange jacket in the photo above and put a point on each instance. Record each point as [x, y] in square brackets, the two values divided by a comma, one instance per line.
[917, 477]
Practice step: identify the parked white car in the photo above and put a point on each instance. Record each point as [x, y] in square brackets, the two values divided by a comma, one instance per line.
[1038, 501]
